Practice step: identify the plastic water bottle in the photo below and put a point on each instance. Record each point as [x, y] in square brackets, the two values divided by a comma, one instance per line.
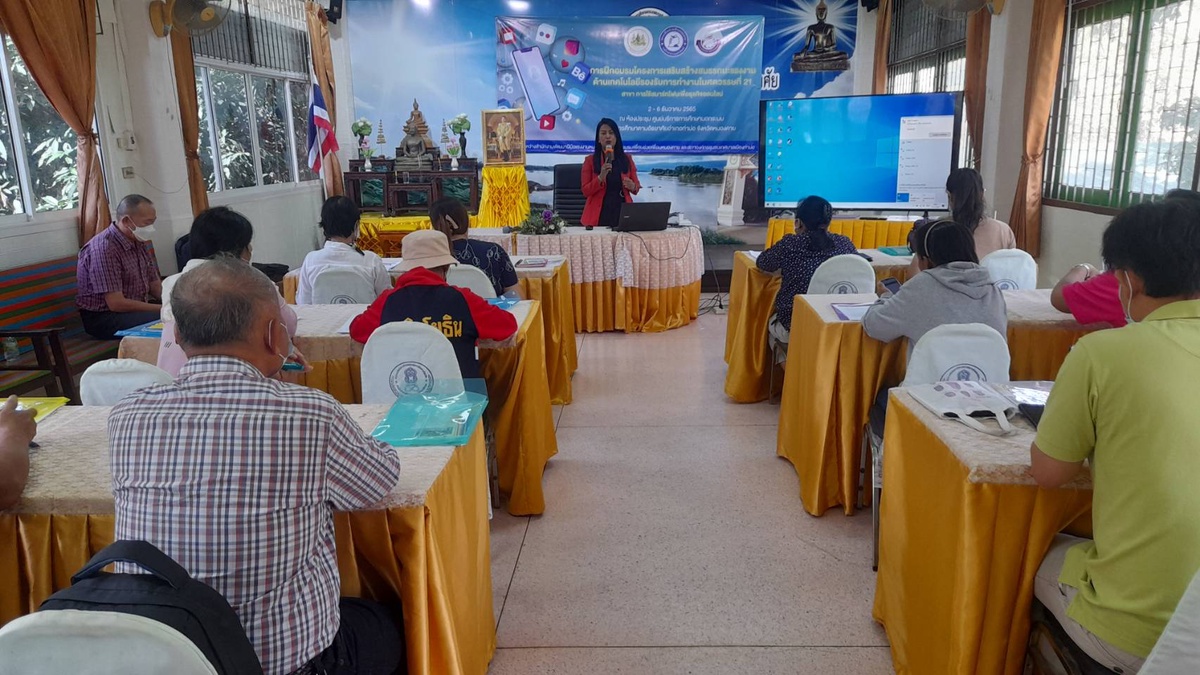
[11, 351]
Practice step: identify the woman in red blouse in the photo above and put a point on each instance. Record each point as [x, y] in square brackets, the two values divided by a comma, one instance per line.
[605, 196]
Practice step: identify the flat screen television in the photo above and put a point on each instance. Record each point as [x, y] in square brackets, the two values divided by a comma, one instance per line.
[889, 152]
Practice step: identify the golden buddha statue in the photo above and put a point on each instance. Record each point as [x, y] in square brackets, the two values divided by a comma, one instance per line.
[819, 51]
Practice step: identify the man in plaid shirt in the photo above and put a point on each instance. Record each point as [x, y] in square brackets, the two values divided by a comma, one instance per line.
[118, 281]
[236, 476]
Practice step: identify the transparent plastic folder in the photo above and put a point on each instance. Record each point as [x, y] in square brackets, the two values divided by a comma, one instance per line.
[446, 414]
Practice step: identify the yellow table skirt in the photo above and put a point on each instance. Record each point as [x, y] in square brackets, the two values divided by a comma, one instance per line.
[603, 306]
[864, 233]
[521, 416]
[832, 375]
[558, 316]
[751, 303]
[957, 560]
[434, 559]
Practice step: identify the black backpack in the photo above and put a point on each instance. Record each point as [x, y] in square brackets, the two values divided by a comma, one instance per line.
[168, 595]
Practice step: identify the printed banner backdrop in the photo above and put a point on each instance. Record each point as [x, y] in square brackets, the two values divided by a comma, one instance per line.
[443, 54]
[683, 85]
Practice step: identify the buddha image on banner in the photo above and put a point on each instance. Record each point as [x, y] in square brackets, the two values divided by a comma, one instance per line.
[680, 84]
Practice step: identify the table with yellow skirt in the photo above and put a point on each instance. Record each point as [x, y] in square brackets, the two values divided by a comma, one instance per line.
[519, 409]
[549, 285]
[963, 529]
[751, 303]
[864, 232]
[833, 372]
[426, 546]
[642, 282]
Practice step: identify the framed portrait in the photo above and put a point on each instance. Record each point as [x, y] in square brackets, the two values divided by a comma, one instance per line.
[504, 137]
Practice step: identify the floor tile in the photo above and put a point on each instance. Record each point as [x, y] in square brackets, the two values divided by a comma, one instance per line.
[685, 536]
[507, 533]
[693, 661]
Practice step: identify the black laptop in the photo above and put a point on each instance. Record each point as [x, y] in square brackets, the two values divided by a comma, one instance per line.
[643, 217]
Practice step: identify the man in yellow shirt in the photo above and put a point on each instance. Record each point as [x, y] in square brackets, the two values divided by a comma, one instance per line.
[1125, 400]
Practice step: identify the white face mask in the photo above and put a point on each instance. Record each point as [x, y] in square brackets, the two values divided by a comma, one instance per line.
[143, 233]
[291, 348]
[1128, 301]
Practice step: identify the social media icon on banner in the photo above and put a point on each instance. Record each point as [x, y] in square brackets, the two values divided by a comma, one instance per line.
[581, 73]
[575, 98]
[546, 123]
[546, 34]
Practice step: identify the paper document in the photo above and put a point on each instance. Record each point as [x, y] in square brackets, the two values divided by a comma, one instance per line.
[753, 255]
[532, 262]
[345, 329]
[851, 311]
[392, 263]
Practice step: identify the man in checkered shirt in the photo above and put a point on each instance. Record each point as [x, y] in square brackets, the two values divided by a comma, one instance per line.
[236, 476]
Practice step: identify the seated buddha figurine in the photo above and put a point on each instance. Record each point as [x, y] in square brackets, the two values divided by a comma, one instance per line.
[819, 51]
[417, 149]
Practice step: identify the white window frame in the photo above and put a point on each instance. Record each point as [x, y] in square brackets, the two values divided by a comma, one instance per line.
[249, 73]
[21, 158]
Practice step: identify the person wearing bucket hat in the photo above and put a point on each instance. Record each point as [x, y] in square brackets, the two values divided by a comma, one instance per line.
[422, 294]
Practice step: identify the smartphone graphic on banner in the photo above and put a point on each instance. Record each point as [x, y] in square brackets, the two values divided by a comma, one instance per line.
[535, 80]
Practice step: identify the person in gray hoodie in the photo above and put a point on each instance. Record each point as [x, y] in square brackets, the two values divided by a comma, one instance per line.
[951, 288]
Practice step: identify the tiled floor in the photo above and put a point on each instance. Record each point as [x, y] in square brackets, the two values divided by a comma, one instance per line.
[674, 540]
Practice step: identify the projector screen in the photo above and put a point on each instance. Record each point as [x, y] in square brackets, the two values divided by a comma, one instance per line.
[860, 152]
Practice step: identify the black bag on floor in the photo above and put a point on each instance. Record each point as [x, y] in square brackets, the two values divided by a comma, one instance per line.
[168, 595]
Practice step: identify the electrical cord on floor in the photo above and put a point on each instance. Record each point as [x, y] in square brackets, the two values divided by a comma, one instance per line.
[716, 280]
[711, 306]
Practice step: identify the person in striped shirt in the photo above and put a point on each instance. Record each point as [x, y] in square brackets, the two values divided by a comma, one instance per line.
[236, 475]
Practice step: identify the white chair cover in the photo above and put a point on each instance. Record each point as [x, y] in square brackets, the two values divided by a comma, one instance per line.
[842, 274]
[959, 351]
[1178, 648]
[471, 278]
[406, 357]
[98, 643]
[107, 382]
[342, 285]
[1012, 269]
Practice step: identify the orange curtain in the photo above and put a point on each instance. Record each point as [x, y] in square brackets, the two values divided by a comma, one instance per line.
[1045, 53]
[979, 32]
[322, 61]
[883, 43]
[57, 40]
[189, 117]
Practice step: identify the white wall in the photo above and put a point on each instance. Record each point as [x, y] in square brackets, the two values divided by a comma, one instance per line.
[136, 94]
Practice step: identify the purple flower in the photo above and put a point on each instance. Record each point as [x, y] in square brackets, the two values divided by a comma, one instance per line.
[547, 215]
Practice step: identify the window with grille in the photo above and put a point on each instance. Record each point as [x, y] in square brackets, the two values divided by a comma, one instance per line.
[1127, 113]
[253, 85]
[928, 52]
[37, 148]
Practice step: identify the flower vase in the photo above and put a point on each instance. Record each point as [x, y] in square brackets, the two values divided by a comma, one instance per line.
[462, 143]
[366, 163]
[453, 163]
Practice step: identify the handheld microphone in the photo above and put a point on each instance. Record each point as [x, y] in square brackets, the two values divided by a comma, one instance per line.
[608, 152]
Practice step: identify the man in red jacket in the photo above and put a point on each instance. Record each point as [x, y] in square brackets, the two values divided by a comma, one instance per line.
[422, 294]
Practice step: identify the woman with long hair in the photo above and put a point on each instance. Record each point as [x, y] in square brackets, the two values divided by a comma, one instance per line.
[964, 188]
[605, 192]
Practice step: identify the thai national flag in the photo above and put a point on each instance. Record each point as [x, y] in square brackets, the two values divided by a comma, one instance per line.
[321, 140]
